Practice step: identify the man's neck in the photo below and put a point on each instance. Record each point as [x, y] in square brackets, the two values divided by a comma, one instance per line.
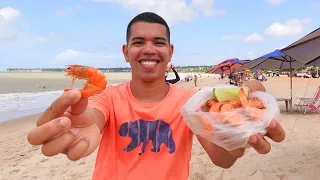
[149, 92]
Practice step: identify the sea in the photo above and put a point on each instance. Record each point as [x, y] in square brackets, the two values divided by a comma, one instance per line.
[18, 104]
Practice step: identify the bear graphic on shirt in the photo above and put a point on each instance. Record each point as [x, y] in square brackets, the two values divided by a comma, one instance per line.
[142, 131]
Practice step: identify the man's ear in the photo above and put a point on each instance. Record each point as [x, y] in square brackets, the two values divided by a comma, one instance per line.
[171, 51]
[125, 52]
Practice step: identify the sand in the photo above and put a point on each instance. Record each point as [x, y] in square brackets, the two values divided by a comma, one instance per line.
[298, 157]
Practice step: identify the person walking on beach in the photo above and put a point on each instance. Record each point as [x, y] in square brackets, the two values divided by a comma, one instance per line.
[195, 80]
[124, 118]
[172, 81]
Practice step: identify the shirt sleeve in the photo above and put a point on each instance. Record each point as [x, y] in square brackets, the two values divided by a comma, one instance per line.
[172, 81]
[101, 102]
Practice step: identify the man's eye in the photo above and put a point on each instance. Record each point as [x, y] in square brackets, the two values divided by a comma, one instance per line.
[160, 43]
[137, 42]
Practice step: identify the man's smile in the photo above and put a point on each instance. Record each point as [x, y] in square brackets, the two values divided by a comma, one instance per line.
[149, 64]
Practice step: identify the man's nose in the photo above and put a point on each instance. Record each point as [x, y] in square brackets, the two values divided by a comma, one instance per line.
[148, 48]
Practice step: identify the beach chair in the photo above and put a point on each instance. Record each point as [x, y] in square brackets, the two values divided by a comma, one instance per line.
[311, 104]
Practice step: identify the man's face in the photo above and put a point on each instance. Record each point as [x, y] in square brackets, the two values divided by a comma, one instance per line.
[148, 51]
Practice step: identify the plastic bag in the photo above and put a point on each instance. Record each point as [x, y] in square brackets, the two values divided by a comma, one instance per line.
[218, 127]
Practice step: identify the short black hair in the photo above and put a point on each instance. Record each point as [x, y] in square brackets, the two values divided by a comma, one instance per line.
[148, 17]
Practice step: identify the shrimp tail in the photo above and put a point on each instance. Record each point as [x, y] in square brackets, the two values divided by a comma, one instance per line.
[243, 99]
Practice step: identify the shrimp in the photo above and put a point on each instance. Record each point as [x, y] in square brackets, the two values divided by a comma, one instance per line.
[250, 102]
[96, 80]
[253, 109]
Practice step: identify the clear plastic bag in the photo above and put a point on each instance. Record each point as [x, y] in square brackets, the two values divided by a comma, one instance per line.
[219, 127]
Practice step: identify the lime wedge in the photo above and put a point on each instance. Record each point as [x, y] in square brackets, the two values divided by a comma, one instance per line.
[223, 94]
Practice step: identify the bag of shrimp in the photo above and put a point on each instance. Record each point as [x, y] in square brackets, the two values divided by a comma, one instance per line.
[228, 115]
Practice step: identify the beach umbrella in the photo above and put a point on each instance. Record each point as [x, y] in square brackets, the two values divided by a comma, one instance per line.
[306, 49]
[276, 60]
[229, 64]
[224, 65]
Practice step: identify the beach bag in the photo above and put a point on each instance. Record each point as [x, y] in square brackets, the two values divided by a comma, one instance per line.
[229, 130]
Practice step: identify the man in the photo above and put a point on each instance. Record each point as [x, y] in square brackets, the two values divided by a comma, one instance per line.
[143, 133]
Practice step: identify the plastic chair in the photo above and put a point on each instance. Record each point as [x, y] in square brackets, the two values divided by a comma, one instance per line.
[311, 104]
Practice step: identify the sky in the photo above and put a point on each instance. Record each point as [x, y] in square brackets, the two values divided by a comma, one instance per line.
[53, 33]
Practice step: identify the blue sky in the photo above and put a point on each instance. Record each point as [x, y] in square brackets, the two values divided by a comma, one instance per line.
[204, 32]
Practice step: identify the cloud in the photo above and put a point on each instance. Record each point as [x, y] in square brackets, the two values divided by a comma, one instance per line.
[207, 7]
[9, 13]
[291, 27]
[67, 11]
[276, 2]
[254, 37]
[9, 33]
[71, 56]
[173, 11]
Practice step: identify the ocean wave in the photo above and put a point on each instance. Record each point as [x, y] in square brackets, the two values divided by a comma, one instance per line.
[13, 104]
[23, 101]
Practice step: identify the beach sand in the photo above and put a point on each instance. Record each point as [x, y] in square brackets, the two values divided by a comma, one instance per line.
[297, 157]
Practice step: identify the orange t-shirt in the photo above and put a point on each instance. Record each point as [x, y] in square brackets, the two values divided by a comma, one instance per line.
[142, 140]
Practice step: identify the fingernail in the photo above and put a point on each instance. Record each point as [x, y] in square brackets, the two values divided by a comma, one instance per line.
[74, 94]
[87, 139]
[273, 124]
[75, 131]
[65, 122]
[253, 139]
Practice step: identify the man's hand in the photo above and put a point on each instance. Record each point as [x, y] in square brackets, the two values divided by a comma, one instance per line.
[274, 131]
[67, 126]
[226, 159]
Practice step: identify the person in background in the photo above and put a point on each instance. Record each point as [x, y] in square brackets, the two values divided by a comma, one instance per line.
[195, 80]
[172, 81]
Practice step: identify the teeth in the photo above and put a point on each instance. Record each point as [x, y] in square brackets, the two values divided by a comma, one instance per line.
[148, 62]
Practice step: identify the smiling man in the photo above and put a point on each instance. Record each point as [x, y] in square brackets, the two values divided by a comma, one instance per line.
[143, 133]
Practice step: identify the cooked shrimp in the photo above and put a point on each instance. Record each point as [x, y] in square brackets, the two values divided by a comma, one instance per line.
[250, 102]
[96, 80]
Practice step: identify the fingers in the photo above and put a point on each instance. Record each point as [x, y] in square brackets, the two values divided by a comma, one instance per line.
[79, 107]
[275, 131]
[237, 153]
[59, 106]
[42, 134]
[255, 85]
[60, 143]
[78, 150]
[259, 144]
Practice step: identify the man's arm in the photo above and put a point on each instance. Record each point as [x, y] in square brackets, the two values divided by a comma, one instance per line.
[217, 154]
[177, 79]
[99, 107]
[99, 119]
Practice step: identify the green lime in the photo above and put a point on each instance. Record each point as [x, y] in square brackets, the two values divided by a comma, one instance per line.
[223, 94]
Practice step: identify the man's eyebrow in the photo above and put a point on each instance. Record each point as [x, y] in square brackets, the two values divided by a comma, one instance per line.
[137, 38]
[156, 38]
[160, 38]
